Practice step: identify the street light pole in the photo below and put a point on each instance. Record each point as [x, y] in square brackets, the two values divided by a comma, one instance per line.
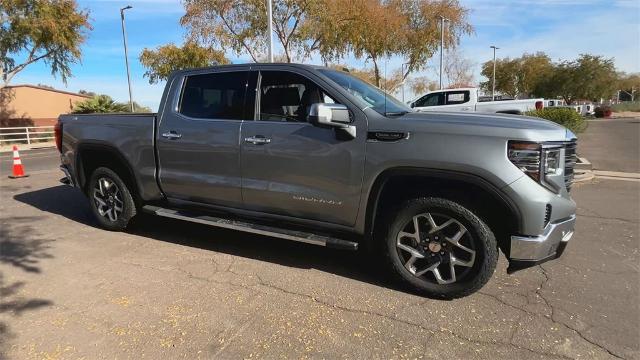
[126, 56]
[270, 28]
[493, 90]
[402, 83]
[442, 20]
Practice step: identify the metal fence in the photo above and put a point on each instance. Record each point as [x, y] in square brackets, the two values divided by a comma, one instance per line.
[26, 134]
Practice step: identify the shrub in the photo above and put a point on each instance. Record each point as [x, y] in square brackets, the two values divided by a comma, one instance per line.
[627, 106]
[566, 117]
[602, 111]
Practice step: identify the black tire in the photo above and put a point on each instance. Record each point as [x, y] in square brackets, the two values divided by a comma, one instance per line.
[126, 203]
[477, 236]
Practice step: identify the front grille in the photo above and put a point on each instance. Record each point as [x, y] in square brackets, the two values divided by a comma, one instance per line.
[570, 159]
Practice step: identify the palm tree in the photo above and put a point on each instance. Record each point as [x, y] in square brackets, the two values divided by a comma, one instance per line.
[99, 104]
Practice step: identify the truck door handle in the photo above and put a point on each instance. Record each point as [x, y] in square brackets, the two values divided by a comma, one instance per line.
[257, 140]
[172, 135]
[466, 108]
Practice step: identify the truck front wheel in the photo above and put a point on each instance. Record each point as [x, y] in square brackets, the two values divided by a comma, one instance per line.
[111, 200]
[438, 247]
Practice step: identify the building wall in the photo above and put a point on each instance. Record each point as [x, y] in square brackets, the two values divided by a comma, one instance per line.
[33, 106]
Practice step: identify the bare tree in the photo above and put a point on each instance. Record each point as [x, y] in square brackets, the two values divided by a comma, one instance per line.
[458, 70]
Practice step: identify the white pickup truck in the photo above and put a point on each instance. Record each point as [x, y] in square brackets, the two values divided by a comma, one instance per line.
[467, 100]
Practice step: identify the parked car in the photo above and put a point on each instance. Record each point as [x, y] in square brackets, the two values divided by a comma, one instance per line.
[467, 100]
[311, 154]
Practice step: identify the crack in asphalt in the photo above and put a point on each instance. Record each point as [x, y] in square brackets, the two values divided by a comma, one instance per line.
[547, 278]
[552, 309]
[598, 271]
[263, 283]
[406, 322]
[608, 218]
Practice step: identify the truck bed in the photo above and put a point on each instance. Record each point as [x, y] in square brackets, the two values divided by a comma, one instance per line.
[132, 134]
[507, 105]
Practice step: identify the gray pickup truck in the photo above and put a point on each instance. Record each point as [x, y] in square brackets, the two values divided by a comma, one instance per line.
[312, 154]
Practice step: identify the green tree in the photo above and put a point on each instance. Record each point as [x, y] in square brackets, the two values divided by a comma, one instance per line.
[525, 76]
[164, 60]
[506, 76]
[99, 104]
[590, 77]
[51, 31]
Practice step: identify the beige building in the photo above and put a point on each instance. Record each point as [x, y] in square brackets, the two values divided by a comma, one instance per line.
[30, 105]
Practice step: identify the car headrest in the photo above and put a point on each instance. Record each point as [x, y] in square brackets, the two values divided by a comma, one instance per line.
[288, 96]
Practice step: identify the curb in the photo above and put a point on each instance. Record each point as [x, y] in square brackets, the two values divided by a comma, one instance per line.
[583, 164]
[583, 171]
[583, 176]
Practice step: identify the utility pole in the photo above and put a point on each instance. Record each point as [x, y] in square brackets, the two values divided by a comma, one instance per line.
[442, 21]
[493, 85]
[270, 28]
[126, 56]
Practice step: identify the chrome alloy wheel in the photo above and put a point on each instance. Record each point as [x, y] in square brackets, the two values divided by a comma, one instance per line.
[108, 199]
[436, 247]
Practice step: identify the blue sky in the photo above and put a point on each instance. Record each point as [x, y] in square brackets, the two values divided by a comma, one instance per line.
[561, 28]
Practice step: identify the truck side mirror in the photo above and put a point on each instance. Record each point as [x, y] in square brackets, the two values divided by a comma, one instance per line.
[413, 104]
[332, 115]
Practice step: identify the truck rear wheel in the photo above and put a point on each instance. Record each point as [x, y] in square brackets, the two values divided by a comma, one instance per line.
[111, 200]
[439, 248]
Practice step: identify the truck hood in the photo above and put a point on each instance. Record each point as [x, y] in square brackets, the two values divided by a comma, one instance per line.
[513, 127]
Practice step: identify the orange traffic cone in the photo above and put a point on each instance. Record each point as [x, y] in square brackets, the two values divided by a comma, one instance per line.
[18, 170]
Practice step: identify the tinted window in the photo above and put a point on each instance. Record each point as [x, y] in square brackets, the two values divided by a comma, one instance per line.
[286, 96]
[214, 96]
[457, 97]
[430, 100]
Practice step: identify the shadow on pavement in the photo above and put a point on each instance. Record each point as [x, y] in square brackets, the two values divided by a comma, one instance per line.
[22, 248]
[61, 200]
[70, 203]
[356, 265]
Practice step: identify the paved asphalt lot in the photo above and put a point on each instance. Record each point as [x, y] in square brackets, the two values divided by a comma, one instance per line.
[612, 144]
[168, 289]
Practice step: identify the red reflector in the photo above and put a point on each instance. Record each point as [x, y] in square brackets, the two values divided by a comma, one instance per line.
[57, 132]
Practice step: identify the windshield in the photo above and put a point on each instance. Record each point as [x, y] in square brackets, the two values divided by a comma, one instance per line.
[369, 95]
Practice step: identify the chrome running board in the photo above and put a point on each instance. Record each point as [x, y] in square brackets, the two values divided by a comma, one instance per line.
[239, 225]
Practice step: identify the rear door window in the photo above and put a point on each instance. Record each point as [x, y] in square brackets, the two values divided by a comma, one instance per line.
[214, 96]
[457, 97]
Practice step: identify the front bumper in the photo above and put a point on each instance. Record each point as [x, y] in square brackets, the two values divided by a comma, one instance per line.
[527, 251]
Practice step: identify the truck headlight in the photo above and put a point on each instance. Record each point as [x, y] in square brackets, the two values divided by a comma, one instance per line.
[526, 156]
[542, 162]
[552, 162]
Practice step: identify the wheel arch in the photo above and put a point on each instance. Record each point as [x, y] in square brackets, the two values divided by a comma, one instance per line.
[407, 182]
[92, 155]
